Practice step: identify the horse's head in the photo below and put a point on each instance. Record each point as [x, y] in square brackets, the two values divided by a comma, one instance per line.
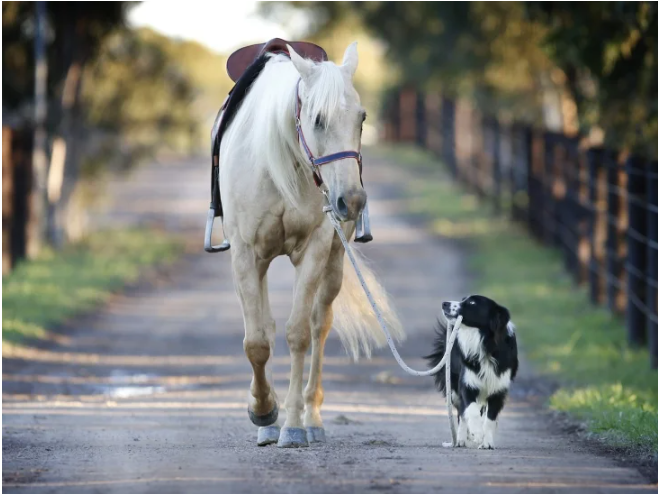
[331, 120]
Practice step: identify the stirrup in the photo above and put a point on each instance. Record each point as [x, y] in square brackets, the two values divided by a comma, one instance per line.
[363, 235]
[207, 243]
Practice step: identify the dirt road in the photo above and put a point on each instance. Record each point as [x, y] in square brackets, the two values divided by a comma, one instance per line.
[149, 394]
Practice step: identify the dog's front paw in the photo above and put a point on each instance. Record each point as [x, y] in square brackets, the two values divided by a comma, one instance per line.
[475, 435]
[486, 445]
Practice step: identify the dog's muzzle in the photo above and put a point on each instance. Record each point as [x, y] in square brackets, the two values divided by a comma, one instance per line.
[451, 309]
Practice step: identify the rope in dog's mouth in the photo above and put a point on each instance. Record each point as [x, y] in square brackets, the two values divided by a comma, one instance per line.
[451, 331]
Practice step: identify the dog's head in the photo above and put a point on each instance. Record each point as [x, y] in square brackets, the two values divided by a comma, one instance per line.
[480, 312]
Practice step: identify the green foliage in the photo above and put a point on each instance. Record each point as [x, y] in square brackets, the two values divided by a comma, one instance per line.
[75, 30]
[606, 383]
[136, 93]
[609, 52]
[518, 56]
[58, 285]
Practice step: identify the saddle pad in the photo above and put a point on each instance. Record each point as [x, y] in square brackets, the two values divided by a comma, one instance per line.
[239, 60]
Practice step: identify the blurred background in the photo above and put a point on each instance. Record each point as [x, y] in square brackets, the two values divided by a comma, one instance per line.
[533, 127]
[90, 89]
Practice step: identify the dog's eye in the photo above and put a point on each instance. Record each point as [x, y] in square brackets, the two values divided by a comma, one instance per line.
[472, 302]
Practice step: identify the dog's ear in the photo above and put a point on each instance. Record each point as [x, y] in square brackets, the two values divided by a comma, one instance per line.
[499, 320]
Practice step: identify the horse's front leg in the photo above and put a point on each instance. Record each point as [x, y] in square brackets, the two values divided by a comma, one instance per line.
[321, 321]
[309, 267]
[250, 276]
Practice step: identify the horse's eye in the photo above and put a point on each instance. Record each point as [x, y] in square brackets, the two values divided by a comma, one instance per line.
[319, 122]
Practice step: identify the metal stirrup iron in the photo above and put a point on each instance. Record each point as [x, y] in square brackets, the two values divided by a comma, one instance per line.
[214, 212]
[363, 234]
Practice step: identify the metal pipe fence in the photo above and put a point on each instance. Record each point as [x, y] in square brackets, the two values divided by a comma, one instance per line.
[597, 206]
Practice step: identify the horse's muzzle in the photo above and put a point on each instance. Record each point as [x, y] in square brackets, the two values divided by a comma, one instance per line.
[350, 204]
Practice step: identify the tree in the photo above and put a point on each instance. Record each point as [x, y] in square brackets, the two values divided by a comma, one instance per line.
[609, 53]
[507, 56]
[76, 30]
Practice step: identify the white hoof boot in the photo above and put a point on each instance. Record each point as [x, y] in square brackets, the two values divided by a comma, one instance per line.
[316, 435]
[293, 437]
[268, 435]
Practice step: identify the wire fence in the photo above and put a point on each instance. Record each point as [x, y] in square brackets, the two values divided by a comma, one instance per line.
[597, 206]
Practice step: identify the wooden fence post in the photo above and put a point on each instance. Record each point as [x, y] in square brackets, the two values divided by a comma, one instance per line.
[448, 134]
[421, 120]
[536, 144]
[496, 172]
[652, 271]
[7, 199]
[636, 261]
[613, 236]
[596, 230]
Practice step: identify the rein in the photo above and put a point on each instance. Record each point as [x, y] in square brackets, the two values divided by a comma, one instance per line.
[451, 332]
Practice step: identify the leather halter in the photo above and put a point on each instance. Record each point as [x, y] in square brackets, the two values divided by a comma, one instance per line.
[316, 163]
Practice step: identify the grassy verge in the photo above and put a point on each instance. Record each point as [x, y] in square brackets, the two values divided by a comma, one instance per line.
[605, 383]
[45, 292]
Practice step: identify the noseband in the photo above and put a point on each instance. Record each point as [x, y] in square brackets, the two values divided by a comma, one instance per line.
[316, 163]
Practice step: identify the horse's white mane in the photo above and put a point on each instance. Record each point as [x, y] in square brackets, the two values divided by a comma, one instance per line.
[263, 129]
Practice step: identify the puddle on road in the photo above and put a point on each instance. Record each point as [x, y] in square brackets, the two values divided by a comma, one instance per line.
[128, 385]
[133, 391]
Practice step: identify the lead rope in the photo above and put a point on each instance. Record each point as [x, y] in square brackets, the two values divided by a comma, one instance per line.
[451, 333]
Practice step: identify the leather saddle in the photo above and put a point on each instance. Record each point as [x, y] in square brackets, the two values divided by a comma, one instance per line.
[237, 65]
[240, 59]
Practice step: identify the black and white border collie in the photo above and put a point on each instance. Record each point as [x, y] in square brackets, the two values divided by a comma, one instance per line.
[483, 364]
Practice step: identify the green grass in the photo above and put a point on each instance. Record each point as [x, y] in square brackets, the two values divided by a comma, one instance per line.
[47, 291]
[604, 382]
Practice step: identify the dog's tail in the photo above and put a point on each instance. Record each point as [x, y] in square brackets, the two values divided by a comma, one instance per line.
[354, 319]
[435, 357]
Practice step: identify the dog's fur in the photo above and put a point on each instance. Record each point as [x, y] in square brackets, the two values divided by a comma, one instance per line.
[484, 362]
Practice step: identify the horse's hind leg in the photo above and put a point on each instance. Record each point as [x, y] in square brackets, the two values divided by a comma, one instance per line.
[298, 333]
[321, 321]
[251, 285]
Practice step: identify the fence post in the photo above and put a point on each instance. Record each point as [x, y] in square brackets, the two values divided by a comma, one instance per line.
[595, 224]
[448, 133]
[497, 175]
[652, 271]
[613, 262]
[536, 162]
[421, 120]
[636, 261]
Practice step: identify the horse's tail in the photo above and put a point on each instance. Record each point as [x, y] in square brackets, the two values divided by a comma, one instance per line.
[354, 318]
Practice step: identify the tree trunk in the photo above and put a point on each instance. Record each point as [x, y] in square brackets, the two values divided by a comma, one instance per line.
[38, 198]
[64, 167]
[63, 164]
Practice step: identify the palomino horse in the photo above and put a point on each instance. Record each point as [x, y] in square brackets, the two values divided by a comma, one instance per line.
[295, 109]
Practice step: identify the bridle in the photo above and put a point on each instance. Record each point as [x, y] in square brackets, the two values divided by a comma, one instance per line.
[316, 163]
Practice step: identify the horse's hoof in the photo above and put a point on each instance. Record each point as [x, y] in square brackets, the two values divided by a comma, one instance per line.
[264, 420]
[268, 435]
[316, 435]
[293, 437]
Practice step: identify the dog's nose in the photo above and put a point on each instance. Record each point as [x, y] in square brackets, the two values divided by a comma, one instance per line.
[446, 305]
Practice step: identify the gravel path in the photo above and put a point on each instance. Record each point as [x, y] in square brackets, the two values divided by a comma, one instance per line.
[149, 393]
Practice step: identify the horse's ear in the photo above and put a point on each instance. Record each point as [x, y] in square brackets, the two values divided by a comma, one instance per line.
[351, 59]
[303, 66]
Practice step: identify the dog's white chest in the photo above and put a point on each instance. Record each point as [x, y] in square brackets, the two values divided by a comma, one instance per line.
[486, 381]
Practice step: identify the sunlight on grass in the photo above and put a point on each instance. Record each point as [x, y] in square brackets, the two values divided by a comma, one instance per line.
[606, 383]
[58, 285]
